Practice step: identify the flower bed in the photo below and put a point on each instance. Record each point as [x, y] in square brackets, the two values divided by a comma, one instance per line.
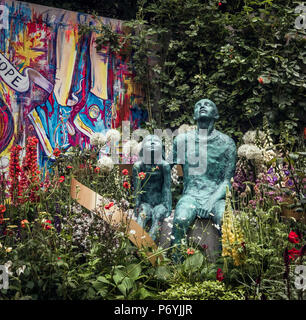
[53, 248]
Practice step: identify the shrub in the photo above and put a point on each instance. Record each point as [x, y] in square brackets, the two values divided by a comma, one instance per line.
[206, 290]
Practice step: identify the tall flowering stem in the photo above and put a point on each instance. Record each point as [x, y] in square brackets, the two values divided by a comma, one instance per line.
[14, 174]
[232, 237]
[30, 168]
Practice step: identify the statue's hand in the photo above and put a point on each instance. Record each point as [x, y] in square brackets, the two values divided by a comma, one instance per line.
[207, 209]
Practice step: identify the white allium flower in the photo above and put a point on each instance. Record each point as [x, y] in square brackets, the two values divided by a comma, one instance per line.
[97, 139]
[113, 135]
[130, 147]
[250, 136]
[250, 151]
[106, 163]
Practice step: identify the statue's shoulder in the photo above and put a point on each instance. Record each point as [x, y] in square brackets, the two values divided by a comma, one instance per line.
[225, 139]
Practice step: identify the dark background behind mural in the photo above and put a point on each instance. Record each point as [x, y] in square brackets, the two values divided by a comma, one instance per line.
[124, 9]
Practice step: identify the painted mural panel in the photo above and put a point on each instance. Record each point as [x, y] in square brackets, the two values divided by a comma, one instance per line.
[54, 84]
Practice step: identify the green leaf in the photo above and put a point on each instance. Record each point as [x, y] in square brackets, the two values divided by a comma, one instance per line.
[193, 262]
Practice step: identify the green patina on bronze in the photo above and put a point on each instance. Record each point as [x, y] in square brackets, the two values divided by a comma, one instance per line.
[154, 201]
[203, 194]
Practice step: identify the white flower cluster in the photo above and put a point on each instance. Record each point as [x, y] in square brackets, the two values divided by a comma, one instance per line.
[113, 135]
[97, 139]
[105, 163]
[131, 147]
[257, 146]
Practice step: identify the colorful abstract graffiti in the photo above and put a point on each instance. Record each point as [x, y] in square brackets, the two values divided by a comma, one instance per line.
[55, 84]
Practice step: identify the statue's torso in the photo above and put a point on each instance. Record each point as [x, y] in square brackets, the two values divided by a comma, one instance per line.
[219, 146]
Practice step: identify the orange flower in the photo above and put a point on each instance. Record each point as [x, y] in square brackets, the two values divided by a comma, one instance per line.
[141, 175]
[61, 179]
[125, 172]
[2, 208]
[23, 223]
[260, 80]
[57, 152]
[190, 251]
[126, 185]
[97, 169]
[108, 206]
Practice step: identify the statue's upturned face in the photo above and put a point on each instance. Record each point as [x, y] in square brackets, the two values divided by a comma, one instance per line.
[205, 109]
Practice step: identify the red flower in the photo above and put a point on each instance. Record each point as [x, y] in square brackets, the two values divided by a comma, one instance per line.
[108, 206]
[61, 179]
[125, 172]
[190, 251]
[126, 185]
[47, 224]
[141, 175]
[293, 237]
[219, 275]
[219, 4]
[23, 223]
[1, 218]
[2, 208]
[57, 152]
[260, 80]
[293, 253]
[69, 167]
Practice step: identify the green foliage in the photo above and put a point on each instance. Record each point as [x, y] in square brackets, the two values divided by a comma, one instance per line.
[206, 290]
[186, 50]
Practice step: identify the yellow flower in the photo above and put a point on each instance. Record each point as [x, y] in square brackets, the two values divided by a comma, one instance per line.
[232, 236]
[8, 249]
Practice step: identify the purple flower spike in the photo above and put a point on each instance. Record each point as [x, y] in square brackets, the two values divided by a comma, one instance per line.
[270, 170]
[287, 172]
